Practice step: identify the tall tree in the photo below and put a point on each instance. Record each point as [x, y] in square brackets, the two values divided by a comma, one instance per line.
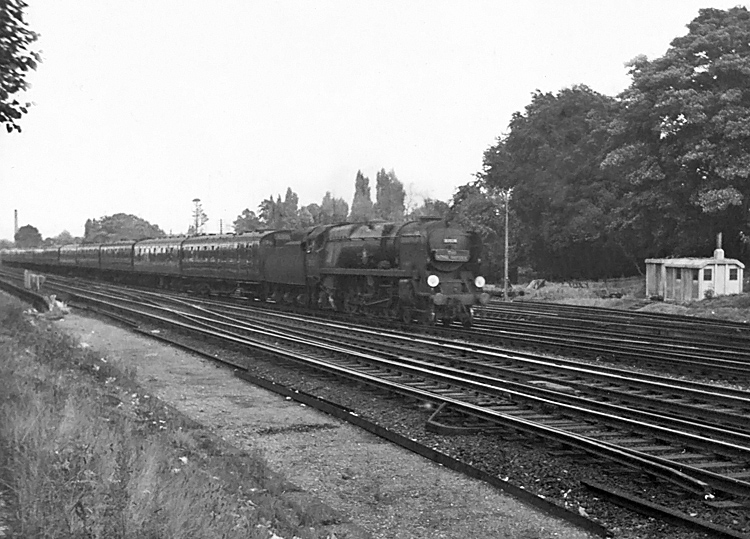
[28, 237]
[16, 60]
[306, 218]
[247, 221]
[268, 213]
[290, 210]
[362, 207]
[340, 210]
[562, 199]
[683, 139]
[315, 213]
[119, 226]
[277, 214]
[430, 208]
[332, 210]
[390, 196]
[199, 217]
[477, 208]
[63, 238]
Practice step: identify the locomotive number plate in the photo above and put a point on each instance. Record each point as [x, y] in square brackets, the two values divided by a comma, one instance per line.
[449, 255]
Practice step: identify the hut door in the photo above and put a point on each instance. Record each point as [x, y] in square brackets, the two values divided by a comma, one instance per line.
[669, 285]
[720, 278]
[694, 293]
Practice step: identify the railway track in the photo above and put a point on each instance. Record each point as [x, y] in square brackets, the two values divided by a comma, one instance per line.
[683, 446]
[696, 350]
[690, 434]
[690, 329]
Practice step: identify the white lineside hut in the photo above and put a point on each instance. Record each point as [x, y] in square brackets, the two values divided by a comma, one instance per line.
[690, 279]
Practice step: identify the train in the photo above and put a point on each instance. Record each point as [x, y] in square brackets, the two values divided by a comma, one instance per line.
[424, 270]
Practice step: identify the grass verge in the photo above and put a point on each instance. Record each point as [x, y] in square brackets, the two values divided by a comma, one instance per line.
[630, 293]
[85, 452]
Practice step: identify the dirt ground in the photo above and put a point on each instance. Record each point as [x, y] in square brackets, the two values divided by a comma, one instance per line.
[386, 490]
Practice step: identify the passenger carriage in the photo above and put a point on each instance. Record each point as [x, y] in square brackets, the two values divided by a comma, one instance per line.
[158, 261]
[222, 263]
[117, 256]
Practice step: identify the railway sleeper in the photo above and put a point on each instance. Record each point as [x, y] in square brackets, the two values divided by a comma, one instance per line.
[679, 456]
[745, 474]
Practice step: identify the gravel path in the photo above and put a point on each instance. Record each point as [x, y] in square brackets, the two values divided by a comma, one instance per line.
[386, 490]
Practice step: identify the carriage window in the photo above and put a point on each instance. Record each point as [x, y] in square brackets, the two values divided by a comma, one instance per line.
[707, 274]
[732, 274]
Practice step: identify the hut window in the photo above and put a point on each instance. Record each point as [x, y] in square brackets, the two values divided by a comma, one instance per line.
[695, 275]
[678, 274]
[707, 274]
[732, 274]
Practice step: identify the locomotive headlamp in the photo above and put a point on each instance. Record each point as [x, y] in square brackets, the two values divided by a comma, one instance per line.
[479, 282]
[433, 280]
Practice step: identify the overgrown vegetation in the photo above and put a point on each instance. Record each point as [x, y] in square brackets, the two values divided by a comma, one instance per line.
[629, 293]
[84, 452]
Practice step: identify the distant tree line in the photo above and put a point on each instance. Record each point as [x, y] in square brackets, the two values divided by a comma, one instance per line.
[389, 204]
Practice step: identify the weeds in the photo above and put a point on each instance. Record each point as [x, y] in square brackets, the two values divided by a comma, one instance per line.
[87, 454]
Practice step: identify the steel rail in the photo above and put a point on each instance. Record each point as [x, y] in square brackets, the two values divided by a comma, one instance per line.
[695, 391]
[724, 483]
[732, 347]
[606, 315]
[604, 450]
[679, 410]
[487, 357]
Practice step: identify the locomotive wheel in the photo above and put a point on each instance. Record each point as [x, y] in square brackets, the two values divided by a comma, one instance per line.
[204, 290]
[467, 320]
[428, 316]
[263, 293]
[406, 315]
[349, 303]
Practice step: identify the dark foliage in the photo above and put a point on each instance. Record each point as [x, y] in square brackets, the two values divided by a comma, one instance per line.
[16, 60]
[118, 227]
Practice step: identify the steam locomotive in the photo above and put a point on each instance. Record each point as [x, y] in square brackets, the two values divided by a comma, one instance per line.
[425, 270]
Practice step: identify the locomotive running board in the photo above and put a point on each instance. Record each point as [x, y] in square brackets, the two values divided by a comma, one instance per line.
[366, 272]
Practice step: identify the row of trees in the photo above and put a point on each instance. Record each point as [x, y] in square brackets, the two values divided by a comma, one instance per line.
[277, 213]
[107, 229]
[601, 183]
[272, 214]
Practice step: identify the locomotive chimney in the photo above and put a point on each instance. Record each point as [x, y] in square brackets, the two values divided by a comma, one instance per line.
[719, 252]
[15, 223]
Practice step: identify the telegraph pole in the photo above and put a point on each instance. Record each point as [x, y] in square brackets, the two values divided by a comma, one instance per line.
[505, 195]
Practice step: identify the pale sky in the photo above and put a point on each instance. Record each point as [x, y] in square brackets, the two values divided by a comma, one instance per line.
[142, 106]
